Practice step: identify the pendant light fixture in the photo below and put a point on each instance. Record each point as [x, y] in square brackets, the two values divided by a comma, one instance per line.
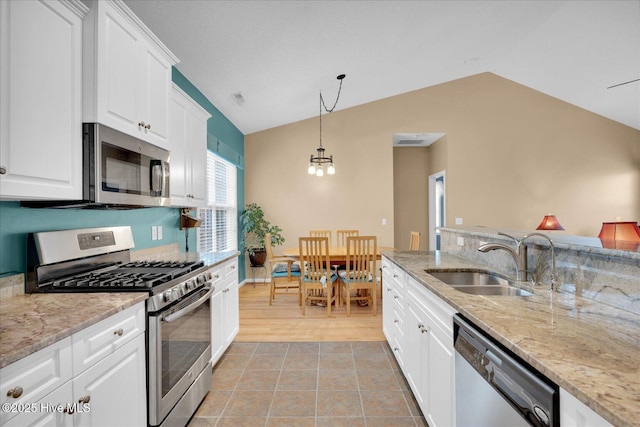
[316, 162]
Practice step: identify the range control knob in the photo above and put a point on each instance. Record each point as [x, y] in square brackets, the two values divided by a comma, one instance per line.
[166, 296]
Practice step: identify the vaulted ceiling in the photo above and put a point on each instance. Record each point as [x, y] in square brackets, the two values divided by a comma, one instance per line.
[280, 54]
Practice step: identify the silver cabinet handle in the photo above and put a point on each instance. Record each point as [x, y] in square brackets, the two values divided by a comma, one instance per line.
[142, 124]
[424, 329]
[3, 170]
[118, 332]
[84, 399]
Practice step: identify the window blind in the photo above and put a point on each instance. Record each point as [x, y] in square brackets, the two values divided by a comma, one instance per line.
[218, 231]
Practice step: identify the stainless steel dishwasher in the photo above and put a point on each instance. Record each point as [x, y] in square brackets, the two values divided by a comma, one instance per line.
[494, 388]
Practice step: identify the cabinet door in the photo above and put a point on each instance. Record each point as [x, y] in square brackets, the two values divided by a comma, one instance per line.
[417, 352]
[155, 84]
[387, 302]
[217, 326]
[40, 101]
[232, 320]
[197, 150]
[118, 77]
[440, 380]
[178, 123]
[116, 389]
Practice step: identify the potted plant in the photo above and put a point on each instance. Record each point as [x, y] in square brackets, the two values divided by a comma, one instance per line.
[254, 228]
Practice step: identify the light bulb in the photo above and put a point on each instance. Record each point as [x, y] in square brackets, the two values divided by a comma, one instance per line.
[319, 171]
[331, 170]
[312, 169]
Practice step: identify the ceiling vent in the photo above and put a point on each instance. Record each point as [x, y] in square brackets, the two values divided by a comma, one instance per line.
[238, 98]
[415, 139]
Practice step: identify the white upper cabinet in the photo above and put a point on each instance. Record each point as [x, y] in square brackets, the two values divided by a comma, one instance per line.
[41, 99]
[127, 73]
[188, 146]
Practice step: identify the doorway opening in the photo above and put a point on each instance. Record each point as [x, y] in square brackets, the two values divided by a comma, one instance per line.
[436, 209]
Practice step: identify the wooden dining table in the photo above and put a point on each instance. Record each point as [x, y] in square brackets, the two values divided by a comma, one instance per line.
[337, 256]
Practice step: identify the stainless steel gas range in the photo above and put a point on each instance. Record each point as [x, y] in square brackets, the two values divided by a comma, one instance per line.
[178, 309]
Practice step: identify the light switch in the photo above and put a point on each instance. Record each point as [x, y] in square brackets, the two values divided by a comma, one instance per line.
[384, 221]
[458, 221]
[159, 232]
[154, 232]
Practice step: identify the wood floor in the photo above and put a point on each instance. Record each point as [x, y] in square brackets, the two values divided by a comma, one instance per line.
[283, 321]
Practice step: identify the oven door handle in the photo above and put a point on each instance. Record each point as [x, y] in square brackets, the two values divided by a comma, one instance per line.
[178, 314]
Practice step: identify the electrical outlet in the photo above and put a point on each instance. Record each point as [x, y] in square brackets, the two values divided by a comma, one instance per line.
[384, 221]
[154, 232]
[159, 232]
[460, 241]
[458, 221]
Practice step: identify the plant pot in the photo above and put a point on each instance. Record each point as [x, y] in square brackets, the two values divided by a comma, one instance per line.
[258, 258]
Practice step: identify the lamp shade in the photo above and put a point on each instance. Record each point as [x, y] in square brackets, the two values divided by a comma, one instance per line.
[550, 222]
[628, 231]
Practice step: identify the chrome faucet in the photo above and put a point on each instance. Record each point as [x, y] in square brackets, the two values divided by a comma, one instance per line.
[519, 254]
[554, 273]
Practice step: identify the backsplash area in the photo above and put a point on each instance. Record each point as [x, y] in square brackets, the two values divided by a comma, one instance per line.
[608, 276]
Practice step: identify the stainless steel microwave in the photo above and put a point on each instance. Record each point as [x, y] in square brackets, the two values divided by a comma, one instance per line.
[119, 172]
[122, 170]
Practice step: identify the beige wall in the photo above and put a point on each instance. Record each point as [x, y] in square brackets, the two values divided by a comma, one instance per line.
[511, 155]
[410, 190]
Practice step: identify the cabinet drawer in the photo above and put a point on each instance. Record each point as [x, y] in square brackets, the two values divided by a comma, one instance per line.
[42, 413]
[217, 276]
[231, 269]
[36, 375]
[97, 341]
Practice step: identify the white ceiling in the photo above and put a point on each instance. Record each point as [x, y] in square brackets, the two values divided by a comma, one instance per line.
[280, 54]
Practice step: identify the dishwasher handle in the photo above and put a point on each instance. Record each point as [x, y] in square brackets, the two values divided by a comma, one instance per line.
[521, 386]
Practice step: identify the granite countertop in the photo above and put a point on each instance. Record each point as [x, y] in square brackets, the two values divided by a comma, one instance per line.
[29, 323]
[588, 348]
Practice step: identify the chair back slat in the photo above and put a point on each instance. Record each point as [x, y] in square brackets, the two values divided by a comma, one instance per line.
[414, 243]
[362, 252]
[343, 234]
[322, 233]
[314, 256]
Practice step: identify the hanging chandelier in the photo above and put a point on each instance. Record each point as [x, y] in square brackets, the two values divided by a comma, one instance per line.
[316, 162]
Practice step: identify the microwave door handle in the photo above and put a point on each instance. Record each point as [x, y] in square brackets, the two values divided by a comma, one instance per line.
[157, 177]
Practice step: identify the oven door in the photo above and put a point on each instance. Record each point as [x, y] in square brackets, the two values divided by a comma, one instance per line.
[179, 350]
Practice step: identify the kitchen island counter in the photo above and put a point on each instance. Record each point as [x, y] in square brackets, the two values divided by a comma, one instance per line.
[588, 348]
[29, 323]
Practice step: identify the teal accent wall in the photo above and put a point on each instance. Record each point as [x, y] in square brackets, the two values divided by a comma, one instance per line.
[16, 222]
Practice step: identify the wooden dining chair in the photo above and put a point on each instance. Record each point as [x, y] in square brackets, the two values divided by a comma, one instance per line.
[343, 234]
[322, 233]
[358, 279]
[318, 283]
[414, 243]
[285, 273]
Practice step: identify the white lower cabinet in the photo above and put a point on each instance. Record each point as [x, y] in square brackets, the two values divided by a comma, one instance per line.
[419, 328]
[393, 311]
[430, 356]
[114, 389]
[225, 311]
[577, 414]
[47, 388]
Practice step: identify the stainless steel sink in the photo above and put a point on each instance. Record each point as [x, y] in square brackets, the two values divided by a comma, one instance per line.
[492, 290]
[475, 278]
[478, 283]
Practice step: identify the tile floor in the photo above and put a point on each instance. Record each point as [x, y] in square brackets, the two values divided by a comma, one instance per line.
[308, 384]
